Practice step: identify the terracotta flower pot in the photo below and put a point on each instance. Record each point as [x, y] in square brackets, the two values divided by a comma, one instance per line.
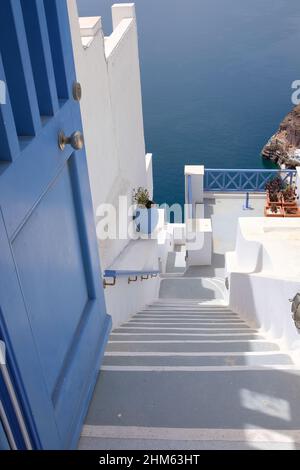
[292, 211]
[288, 203]
[270, 213]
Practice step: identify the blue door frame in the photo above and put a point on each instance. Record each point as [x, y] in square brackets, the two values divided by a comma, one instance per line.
[53, 318]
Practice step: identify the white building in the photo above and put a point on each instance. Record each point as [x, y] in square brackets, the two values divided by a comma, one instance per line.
[207, 354]
[225, 258]
[178, 335]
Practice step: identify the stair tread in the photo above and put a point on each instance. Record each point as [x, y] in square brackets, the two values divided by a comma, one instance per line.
[183, 368]
[275, 359]
[182, 330]
[194, 346]
[149, 337]
[226, 400]
[129, 443]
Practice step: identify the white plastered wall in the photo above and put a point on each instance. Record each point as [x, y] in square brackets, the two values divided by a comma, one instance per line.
[264, 274]
[111, 107]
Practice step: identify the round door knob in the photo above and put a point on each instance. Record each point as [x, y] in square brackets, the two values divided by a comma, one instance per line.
[76, 140]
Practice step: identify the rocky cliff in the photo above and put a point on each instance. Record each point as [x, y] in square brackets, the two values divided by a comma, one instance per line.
[284, 147]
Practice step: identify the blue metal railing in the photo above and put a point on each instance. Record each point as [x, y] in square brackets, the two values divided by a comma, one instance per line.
[132, 275]
[235, 180]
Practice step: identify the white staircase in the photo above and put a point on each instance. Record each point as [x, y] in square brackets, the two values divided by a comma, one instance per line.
[183, 374]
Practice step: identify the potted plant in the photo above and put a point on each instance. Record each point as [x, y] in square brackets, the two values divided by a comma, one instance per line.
[273, 189]
[274, 210]
[291, 211]
[289, 196]
[146, 213]
[273, 198]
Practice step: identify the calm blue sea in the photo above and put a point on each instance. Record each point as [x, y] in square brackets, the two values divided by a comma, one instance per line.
[216, 80]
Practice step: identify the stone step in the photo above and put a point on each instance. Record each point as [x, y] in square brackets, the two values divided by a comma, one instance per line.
[185, 314]
[180, 375]
[182, 329]
[199, 308]
[184, 323]
[182, 305]
[93, 440]
[229, 399]
[190, 288]
[195, 316]
[185, 303]
[180, 320]
[210, 369]
[175, 360]
[188, 312]
[178, 336]
[181, 301]
[193, 346]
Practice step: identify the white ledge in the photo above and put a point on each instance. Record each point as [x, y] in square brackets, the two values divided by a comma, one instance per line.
[89, 26]
[194, 170]
[112, 41]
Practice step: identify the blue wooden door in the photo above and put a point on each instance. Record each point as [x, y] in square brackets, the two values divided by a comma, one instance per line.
[52, 311]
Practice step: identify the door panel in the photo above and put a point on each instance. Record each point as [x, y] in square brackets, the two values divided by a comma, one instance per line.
[55, 294]
[25, 366]
[53, 316]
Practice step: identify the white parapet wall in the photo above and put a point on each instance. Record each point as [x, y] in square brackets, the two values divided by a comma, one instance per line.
[149, 172]
[198, 228]
[111, 107]
[198, 242]
[123, 299]
[264, 273]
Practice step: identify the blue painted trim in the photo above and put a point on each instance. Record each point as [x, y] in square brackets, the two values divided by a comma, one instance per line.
[120, 273]
[18, 70]
[242, 180]
[190, 196]
[40, 54]
[61, 46]
[9, 143]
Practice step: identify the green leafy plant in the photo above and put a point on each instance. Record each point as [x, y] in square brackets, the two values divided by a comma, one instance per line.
[289, 193]
[275, 185]
[142, 198]
[274, 197]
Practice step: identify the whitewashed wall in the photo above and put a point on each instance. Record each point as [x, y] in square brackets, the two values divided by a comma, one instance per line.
[111, 107]
[264, 274]
[263, 301]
